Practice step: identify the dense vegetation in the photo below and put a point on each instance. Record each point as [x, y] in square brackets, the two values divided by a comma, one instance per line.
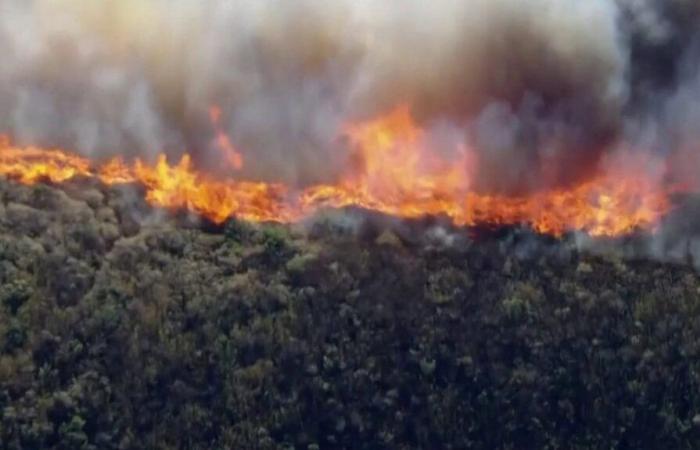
[121, 330]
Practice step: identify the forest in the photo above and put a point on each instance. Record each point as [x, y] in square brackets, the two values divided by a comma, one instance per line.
[122, 327]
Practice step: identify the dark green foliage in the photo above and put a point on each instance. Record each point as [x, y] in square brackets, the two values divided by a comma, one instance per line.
[15, 337]
[274, 240]
[14, 294]
[164, 337]
[238, 231]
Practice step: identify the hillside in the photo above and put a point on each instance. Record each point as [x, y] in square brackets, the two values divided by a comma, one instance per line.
[125, 328]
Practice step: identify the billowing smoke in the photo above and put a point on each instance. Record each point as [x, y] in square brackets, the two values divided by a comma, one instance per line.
[541, 89]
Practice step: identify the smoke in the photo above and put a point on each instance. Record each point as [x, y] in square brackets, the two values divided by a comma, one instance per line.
[541, 89]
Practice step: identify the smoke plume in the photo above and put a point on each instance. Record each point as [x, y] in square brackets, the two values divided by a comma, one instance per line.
[542, 90]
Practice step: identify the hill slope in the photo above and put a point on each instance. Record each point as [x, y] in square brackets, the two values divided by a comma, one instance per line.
[120, 330]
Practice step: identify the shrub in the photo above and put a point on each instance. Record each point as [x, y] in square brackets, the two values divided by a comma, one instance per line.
[14, 294]
[238, 231]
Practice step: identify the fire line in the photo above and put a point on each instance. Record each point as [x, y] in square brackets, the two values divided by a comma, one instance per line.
[398, 174]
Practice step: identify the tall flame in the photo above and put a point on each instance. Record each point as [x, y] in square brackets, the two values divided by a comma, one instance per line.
[395, 171]
[223, 142]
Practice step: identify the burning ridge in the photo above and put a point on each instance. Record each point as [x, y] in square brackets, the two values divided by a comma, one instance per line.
[395, 172]
[518, 113]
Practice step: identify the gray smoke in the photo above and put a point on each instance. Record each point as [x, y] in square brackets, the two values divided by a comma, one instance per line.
[542, 89]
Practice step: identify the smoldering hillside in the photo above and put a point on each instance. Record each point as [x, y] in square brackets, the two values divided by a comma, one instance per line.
[540, 88]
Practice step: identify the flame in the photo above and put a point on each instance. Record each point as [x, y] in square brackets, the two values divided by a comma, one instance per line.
[223, 142]
[395, 170]
[180, 186]
[401, 175]
[31, 164]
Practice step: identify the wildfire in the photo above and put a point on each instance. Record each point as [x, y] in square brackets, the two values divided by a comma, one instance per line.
[31, 164]
[396, 171]
[401, 175]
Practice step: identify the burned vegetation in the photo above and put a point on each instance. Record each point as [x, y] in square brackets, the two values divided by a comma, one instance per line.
[122, 328]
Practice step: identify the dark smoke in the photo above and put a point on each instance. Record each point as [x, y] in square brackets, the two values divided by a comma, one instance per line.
[542, 89]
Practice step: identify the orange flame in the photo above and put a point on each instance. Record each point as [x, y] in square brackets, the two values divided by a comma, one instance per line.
[396, 172]
[30, 164]
[402, 176]
[233, 156]
[180, 186]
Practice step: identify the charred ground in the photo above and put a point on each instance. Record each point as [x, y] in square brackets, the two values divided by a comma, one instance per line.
[124, 329]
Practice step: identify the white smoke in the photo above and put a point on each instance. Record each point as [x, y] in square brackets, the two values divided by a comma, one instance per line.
[137, 77]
